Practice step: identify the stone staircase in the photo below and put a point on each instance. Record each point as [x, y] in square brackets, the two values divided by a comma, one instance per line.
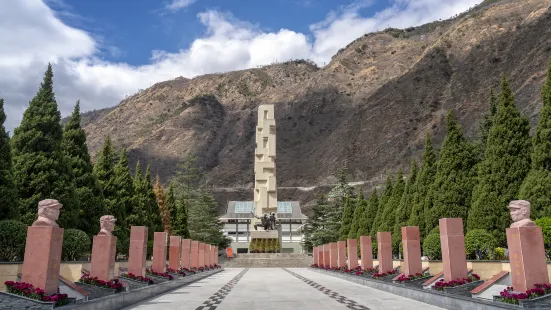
[268, 260]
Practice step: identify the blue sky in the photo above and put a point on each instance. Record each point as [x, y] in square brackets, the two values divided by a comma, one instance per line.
[102, 51]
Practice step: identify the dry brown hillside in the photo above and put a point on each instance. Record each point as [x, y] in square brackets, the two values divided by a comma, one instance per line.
[369, 107]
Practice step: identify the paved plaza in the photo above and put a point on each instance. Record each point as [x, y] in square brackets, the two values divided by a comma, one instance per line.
[277, 288]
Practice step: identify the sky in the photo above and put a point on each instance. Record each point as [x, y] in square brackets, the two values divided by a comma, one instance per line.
[104, 50]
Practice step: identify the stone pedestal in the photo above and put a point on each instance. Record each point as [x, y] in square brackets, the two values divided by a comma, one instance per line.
[43, 258]
[104, 252]
[366, 251]
[527, 257]
[315, 255]
[159, 252]
[352, 253]
[186, 249]
[326, 256]
[333, 254]
[194, 254]
[174, 252]
[452, 242]
[384, 249]
[201, 254]
[216, 255]
[207, 254]
[137, 250]
[341, 249]
[411, 244]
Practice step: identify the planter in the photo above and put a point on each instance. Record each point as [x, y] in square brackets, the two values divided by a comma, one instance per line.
[463, 290]
[543, 302]
[96, 291]
[14, 301]
[417, 282]
[157, 278]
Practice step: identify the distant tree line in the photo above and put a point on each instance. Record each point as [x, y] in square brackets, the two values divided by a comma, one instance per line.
[473, 180]
[45, 160]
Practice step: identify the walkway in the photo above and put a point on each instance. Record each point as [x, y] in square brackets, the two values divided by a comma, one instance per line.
[276, 288]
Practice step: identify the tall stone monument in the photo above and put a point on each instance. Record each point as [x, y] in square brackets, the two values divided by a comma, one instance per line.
[265, 185]
[42, 259]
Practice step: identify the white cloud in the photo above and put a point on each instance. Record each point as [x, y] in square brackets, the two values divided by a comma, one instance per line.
[36, 36]
[177, 5]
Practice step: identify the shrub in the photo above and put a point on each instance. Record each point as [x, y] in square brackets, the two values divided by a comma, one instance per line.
[431, 246]
[545, 224]
[149, 249]
[123, 245]
[499, 254]
[76, 243]
[479, 244]
[13, 235]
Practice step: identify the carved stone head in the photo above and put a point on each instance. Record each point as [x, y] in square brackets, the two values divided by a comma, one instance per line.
[520, 213]
[48, 213]
[107, 225]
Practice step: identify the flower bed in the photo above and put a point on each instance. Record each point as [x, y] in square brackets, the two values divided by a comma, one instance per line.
[114, 284]
[511, 297]
[29, 291]
[403, 278]
[131, 276]
[383, 275]
[179, 272]
[158, 274]
[440, 285]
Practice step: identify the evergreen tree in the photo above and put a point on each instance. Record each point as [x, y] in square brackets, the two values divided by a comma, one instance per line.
[361, 205]
[505, 165]
[171, 203]
[139, 216]
[422, 186]
[204, 224]
[123, 200]
[537, 184]
[88, 189]
[325, 223]
[40, 167]
[404, 208]
[450, 194]
[105, 174]
[485, 126]
[8, 193]
[152, 208]
[388, 217]
[347, 217]
[163, 207]
[368, 217]
[182, 219]
[381, 202]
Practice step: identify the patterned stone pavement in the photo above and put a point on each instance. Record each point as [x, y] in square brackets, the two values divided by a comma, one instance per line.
[277, 288]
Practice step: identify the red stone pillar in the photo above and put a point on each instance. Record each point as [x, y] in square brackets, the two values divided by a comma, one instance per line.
[137, 250]
[208, 255]
[341, 256]
[352, 253]
[326, 258]
[201, 254]
[159, 252]
[366, 251]
[411, 244]
[43, 257]
[333, 254]
[216, 255]
[527, 257]
[104, 252]
[174, 252]
[186, 258]
[315, 256]
[194, 254]
[452, 242]
[384, 246]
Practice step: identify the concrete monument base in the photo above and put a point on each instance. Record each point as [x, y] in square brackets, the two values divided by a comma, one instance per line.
[104, 251]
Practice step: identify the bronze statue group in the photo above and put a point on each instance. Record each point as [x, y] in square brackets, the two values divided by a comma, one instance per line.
[267, 222]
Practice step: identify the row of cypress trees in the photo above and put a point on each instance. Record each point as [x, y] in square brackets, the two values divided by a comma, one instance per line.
[472, 180]
[47, 160]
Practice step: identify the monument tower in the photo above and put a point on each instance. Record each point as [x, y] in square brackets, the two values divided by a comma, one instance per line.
[265, 185]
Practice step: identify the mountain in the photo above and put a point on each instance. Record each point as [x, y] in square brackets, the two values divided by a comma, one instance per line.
[369, 108]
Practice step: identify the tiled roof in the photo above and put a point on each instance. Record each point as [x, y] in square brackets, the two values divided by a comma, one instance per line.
[243, 209]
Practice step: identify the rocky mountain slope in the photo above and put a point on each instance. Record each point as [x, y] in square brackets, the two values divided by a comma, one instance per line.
[369, 107]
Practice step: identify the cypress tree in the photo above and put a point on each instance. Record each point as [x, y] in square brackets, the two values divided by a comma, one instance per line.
[163, 207]
[182, 218]
[171, 203]
[151, 207]
[389, 212]
[537, 184]
[404, 208]
[422, 186]
[124, 198]
[40, 167]
[139, 216]
[359, 210]
[347, 217]
[105, 174]
[381, 202]
[204, 224]
[450, 194]
[505, 165]
[325, 222]
[8, 193]
[485, 126]
[88, 189]
[368, 217]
